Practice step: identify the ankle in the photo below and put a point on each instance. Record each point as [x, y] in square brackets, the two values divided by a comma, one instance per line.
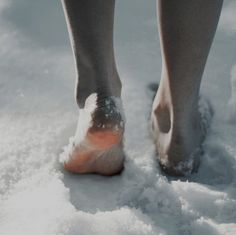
[109, 114]
[104, 82]
[104, 112]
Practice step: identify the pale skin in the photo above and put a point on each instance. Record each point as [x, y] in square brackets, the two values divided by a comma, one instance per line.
[186, 30]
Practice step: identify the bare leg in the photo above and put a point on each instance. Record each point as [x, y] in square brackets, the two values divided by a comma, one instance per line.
[187, 28]
[91, 29]
[99, 149]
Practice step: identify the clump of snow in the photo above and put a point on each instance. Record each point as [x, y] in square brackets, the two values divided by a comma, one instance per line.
[85, 118]
[83, 124]
[120, 221]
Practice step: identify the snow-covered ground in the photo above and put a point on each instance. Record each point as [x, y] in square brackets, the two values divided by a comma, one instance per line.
[38, 115]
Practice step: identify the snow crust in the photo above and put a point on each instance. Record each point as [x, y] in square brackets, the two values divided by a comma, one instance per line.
[38, 115]
[84, 122]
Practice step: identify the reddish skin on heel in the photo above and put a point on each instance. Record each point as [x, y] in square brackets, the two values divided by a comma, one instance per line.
[102, 140]
[85, 159]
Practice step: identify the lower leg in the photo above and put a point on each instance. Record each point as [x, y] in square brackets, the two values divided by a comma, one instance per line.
[98, 140]
[90, 24]
[187, 28]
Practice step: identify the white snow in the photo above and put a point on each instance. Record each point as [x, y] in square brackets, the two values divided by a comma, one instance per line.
[38, 115]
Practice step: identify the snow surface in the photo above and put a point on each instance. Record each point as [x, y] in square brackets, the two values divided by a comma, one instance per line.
[38, 115]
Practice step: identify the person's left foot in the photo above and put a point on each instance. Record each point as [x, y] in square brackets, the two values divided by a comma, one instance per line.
[98, 143]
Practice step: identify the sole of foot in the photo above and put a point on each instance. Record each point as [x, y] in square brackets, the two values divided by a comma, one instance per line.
[179, 149]
[97, 147]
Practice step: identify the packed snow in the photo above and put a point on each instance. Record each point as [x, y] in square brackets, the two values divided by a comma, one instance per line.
[38, 115]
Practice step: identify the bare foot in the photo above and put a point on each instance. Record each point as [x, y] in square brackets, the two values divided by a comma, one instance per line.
[98, 143]
[178, 143]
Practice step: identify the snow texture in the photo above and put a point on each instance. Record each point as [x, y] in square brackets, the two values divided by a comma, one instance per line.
[38, 115]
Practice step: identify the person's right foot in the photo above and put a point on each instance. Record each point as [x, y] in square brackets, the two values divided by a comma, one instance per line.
[178, 144]
[98, 143]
